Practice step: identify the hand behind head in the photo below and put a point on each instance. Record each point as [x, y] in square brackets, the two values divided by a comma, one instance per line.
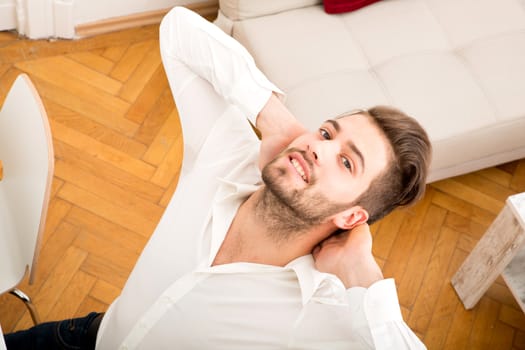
[348, 255]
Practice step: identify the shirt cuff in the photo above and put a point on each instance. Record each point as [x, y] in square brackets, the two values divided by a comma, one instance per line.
[380, 302]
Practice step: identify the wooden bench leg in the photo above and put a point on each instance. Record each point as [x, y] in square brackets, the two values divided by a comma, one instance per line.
[489, 257]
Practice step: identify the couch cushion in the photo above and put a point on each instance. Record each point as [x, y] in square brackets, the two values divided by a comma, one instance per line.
[498, 65]
[237, 10]
[301, 53]
[455, 65]
[383, 36]
[465, 21]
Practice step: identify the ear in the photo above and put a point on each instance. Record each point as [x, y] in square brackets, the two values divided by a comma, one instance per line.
[350, 218]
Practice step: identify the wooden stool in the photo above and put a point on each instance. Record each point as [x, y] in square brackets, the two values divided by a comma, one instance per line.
[501, 250]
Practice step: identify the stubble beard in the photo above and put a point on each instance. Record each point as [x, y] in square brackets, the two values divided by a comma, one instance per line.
[289, 212]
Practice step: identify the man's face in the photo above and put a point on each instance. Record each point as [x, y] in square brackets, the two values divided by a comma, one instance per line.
[324, 172]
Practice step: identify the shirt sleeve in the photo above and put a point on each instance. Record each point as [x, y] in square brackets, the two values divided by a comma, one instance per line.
[379, 308]
[187, 38]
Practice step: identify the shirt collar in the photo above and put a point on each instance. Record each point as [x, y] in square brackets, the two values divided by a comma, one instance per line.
[228, 189]
[227, 200]
[308, 276]
[310, 279]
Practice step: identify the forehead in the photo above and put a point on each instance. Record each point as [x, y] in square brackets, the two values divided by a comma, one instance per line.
[363, 132]
[357, 125]
[355, 119]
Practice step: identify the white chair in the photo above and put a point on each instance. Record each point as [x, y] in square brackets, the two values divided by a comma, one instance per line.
[2, 342]
[26, 153]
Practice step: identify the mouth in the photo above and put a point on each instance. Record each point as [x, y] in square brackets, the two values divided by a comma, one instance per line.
[300, 166]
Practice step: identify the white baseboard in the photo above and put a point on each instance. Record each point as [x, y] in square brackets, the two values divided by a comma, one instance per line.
[204, 8]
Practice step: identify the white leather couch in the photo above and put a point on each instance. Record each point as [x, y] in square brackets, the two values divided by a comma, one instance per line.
[458, 66]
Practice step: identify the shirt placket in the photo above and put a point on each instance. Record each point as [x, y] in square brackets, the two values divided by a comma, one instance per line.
[162, 305]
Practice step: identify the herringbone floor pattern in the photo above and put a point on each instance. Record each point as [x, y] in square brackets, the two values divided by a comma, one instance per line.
[118, 150]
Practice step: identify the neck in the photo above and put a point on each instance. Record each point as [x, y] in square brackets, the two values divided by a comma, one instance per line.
[266, 232]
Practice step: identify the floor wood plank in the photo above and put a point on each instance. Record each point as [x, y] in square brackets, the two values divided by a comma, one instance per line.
[411, 283]
[436, 273]
[93, 61]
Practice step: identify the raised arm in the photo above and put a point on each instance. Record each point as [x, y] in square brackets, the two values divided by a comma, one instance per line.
[193, 48]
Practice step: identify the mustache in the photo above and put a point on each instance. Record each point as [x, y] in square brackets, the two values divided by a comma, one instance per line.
[304, 154]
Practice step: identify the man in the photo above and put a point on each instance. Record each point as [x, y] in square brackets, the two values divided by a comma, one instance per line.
[286, 262]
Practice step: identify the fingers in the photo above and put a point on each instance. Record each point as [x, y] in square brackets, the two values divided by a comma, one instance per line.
[349, 256]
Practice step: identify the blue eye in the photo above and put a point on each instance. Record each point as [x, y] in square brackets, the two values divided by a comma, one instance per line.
[324, 134]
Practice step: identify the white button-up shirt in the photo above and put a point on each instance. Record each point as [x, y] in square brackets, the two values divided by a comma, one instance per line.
[174, 298]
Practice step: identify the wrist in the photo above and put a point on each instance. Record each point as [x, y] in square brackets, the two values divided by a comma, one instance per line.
[363, 274]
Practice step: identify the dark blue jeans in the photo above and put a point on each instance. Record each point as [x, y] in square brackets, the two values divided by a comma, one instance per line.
[78, 333]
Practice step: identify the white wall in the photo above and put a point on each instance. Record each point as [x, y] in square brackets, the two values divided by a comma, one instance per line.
[86, 11]
[33, 18]
[7, 14]
[58, 18]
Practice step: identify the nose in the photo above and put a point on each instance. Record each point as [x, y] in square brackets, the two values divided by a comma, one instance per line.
[320, 150]
[312, 152]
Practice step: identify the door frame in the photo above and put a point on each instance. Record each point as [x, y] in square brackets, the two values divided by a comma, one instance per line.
[37, 19]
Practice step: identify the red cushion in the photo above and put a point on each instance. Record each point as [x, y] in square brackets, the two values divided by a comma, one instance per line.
[339, 6]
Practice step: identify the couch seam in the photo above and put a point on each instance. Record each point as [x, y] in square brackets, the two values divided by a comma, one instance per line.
[462, 60]
[371, 68]
[458, 51]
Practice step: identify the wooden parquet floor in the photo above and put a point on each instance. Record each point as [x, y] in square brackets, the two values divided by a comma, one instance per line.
[118, 150]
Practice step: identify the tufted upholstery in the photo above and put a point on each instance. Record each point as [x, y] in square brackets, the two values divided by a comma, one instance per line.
[458, 66]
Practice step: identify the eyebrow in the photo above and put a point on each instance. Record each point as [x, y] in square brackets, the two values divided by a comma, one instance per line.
[335, 124]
